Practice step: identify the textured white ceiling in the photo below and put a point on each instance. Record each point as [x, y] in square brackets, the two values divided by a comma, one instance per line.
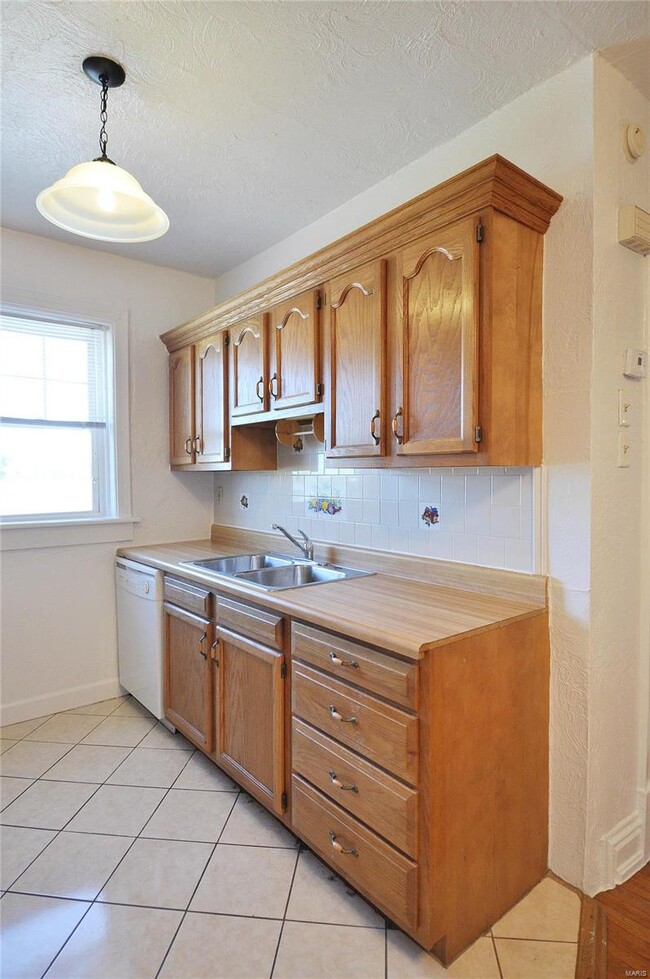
[246, 121]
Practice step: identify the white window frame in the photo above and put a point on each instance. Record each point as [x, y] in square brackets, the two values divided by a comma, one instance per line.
[116, 522]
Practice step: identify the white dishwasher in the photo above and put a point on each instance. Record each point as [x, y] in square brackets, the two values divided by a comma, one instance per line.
[139, 591]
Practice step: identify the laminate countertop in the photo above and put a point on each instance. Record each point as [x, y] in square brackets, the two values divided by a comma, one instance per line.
[407, 617]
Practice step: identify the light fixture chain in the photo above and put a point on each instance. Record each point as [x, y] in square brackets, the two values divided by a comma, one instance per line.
[103, 115]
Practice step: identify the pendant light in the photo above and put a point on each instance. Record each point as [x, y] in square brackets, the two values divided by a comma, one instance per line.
[98, 199]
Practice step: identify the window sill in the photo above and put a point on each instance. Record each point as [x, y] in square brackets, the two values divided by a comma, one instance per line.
[65, 533]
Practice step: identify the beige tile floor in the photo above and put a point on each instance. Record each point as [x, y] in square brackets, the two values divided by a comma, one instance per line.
[125, 854]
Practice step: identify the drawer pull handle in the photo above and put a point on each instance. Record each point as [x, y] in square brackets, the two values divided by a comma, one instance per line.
[257, 388]
[337, 661]
[337, 782]
[339, 717]
[350, 851]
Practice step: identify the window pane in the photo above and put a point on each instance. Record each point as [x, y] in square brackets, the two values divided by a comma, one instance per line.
[66, 360]
[65, 401]
[22, 397]
[45, 470]
[21, 354]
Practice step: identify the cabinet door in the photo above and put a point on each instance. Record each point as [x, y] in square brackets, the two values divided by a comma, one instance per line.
[188, 686]
[212, 400]
[357, 351]
[250, 725]
[295, 352]
[437, 396]
[248, 355]
[181, 406]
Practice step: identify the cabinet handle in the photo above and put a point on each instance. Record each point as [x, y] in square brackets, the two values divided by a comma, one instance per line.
[337, 782]
[188, 446]
[337, 661]
[350, 851]
[213, 651]
[376, 438]
[395, 426]
[201, 649]
[198, 445]
[274, 391]
[257, 388]
[339, 717]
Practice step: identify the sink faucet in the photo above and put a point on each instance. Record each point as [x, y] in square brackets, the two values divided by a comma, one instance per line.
[306, 547]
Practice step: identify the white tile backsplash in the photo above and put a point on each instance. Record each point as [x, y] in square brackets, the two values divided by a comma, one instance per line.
[486, 516]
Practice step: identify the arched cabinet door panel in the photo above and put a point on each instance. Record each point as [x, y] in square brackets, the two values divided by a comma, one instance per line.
[295, 352]
[438, 332]
[357, 363]
[181, 406]
[211, 371]
[248, 374]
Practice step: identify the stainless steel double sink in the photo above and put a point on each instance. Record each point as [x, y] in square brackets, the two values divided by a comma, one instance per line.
[274, 571]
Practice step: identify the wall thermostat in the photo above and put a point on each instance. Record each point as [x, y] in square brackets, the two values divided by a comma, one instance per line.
[636, 363]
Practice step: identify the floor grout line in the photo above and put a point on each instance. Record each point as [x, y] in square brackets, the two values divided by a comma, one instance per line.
[286, 908]
[201, 876]
[496, 955]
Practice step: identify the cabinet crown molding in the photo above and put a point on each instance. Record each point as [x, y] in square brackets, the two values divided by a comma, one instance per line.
[494, 183]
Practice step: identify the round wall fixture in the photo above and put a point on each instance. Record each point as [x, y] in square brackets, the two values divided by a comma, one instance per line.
[98, 199]
[633, 141]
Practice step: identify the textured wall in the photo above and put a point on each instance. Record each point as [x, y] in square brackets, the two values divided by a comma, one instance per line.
[618, 662]
[548, 132]
[58, 604]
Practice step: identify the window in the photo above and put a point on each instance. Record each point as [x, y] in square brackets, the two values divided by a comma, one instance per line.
[57, 441]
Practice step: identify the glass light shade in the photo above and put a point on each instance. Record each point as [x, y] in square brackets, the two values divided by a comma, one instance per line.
[101, 200]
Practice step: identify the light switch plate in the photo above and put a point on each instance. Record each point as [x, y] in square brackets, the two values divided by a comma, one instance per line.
[624, 410]
[624, 449]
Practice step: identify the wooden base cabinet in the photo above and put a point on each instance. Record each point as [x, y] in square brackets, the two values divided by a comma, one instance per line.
[188, 682]
[444, 832]
[249, 719]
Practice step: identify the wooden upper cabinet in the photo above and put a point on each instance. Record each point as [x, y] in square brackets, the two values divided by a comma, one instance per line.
[181, 407]
[248, 374]
[357, 363]
[438, 330]
[295, 352]
[211, 384]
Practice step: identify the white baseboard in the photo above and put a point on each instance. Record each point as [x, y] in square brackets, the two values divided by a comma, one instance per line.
[625, 846]
[25, 710]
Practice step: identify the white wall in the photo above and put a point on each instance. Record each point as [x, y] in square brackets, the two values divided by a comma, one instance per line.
[548, 132]
[618, 694]
[58, 606]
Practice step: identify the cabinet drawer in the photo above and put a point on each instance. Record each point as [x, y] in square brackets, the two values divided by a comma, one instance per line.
[256, 623]
[381, 674]
[187, 595]
[384, 734]
[363, 789]
[383, 874]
